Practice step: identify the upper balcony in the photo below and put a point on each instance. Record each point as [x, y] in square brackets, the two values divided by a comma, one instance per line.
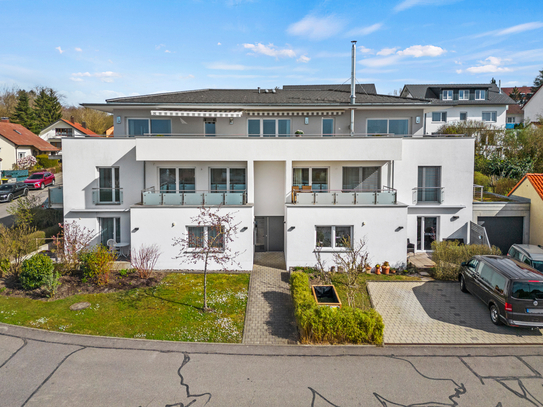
[385, 196]
[151, 197]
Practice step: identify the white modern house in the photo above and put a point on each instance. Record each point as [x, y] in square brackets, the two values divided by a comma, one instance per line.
[365, 167]
[533, 109]
[461, 102]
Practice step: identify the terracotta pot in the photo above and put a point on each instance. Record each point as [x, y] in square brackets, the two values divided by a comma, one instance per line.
[368, 270]
[377, 270]
[386, 269]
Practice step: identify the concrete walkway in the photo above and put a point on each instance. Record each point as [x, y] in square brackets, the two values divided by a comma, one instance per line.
[270, 313]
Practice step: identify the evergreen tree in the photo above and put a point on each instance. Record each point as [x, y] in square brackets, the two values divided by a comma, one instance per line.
[47, 108]
[493, 81]
[538, 81]
[516, 96]
[23, 114]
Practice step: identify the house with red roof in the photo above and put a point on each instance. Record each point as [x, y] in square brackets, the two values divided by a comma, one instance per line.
[531, 187]
[62, 128]
[17, 142]
[515, 112]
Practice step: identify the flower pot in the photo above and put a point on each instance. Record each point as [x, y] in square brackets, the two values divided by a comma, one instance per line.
[386, 269]
[377, 270]
[368, 270]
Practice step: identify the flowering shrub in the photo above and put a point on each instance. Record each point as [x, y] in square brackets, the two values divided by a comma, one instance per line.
[26, 162]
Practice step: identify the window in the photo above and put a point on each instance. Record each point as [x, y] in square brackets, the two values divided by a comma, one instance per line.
[463, 116]
[63, 132]
[227, 179]
[429, 184]
[327, 127]
[510, 120]
[480, 94]
[361, 178]
[316, 177]
[205, 236]
[333, 236]
[139, 127]
[447, 95]
[388, 126]
[110, 228]
[177, 179]
[22, 155]
[439, 116]
[490, 116]
[209, 127]
[268, 127]
[108, 185]
[463, 95]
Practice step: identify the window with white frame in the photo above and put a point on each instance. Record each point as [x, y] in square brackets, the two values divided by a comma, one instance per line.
[510, 120]
[140, 127]
[268, 127]
[333, 236]
[110, 228]
[109, 185]
[490, 116]
[317, 178]
[480, 94]
[177, 179]
[63, 132]
[463, 95]
[388, 126]
[439, 116]
[227, 179]
[447, 95]
[200, 237]
[22, 155]
[327, 127]
[463, 116]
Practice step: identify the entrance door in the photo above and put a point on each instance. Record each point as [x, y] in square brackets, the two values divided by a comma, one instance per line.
[426, 232]
[269, 234]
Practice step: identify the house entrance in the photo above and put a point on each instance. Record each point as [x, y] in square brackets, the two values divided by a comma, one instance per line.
[269, 234]
[426, 232]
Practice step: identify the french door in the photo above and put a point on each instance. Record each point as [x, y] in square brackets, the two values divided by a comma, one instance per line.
[426, 232]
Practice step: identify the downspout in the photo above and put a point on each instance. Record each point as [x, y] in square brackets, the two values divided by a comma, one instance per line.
[353, 83]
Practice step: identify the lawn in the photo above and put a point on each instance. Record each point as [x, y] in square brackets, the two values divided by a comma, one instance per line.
[169, 311]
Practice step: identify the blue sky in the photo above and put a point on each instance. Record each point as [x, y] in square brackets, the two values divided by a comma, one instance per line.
[94, 50]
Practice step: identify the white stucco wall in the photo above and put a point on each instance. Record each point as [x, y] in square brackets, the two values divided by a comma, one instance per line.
[533, 110]
[474, 113]
[269, 187]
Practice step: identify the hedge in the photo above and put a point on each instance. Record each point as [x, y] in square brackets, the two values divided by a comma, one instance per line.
[46, 162]
[321, 324]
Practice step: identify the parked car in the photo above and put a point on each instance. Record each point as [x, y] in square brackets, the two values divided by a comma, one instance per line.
[39, 180]
[12, 190]
[530, 254]
[512, 291]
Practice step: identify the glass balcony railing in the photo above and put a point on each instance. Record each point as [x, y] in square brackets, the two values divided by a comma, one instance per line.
[385, 196]
[151, 197]
[428, 195]
[105, 196]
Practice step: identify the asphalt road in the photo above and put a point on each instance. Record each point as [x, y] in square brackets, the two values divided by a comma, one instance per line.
[39, 368]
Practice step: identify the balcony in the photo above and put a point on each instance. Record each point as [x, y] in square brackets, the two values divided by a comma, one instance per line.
[428, 195]
[385, 196]
[107, 196]
[150, 197]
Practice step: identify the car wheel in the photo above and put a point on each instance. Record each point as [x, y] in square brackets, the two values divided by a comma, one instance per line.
[10, 197]
[42, 186]
[495, 315]
[25, 193]
[53, 182]
[463, 285]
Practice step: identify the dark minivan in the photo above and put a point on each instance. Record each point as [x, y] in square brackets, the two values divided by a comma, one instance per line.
[512, 291]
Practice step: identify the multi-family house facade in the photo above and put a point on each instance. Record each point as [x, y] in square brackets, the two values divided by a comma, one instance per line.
[366, 170]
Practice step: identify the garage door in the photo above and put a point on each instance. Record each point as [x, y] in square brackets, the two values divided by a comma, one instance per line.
[503, 231]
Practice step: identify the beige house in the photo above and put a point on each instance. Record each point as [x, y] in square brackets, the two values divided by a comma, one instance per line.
[531, 187]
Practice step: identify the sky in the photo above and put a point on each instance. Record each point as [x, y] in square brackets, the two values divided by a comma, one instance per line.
[90, 51]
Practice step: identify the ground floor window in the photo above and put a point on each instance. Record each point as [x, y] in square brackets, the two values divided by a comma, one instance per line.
[205, 236]
[426, 232]
[333, 236]
[110, 228]
[439, 116]
[490, 116]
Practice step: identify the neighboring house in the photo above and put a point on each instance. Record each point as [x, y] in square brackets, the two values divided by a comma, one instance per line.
[531, 187]
[533, 109]
[455, 103]
[380, 179]
[515, 114]
[17, 142]
[62, 128]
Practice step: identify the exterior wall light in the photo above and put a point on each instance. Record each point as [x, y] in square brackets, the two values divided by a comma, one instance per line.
[399, 228]
[290, 229]
[118, 119]
[243, 229]
[454, 218]
[231, 120]
[306, 120]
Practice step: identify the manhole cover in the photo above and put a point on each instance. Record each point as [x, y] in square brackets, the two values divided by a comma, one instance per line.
[78, 306]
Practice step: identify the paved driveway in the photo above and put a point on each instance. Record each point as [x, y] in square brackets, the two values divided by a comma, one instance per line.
[439, 313]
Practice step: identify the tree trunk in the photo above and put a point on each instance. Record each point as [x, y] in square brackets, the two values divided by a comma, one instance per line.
[205, 283]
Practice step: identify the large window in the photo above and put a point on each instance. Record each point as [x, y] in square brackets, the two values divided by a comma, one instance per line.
[317, 178]
[327, 127]
[268, 127]
[361, 178]
[140, 127]
[439, 116]
[177, 179]
[480, 94]
[388, 126]
[63, 132]
[463, 95]
[333, 236]
[227, 179]
[429, 184]
[109, 185]
[205, 236]
[110, 228]
[447, 95]
[490, 116]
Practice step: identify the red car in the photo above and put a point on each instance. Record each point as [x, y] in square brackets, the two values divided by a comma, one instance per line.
[39, 180]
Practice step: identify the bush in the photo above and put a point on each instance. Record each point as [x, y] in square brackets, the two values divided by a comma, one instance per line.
[45, 162]
[51, 282]
[481, 179]
[504, 186]
[449, 255]
[96, 265]
[4, 267]
[34, 270]
[318, 324]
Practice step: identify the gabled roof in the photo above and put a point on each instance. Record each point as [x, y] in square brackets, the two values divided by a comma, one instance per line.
[21, 136]
[535, 179]
[433, 92]
[521, 89]
[79, 127]
[533, 97]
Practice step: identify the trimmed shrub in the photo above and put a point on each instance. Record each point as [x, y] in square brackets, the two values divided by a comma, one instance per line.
[481, 179]
[45, 162]
[51, 282]
[96, 265]
[319, 324]
[449, 255]
[34, 270]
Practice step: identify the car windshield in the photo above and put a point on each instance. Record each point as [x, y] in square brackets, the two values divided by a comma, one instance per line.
[36, 176]
[538, 265]
[528, 290]
[6, 187]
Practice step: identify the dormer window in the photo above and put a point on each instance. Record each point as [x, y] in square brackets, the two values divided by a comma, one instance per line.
[463, 95]
[480, 95]
[447, 95]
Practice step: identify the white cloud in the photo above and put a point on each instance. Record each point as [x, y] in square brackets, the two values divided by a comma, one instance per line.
[219, 43]
[270, 50]
[316, 28]
[363, 50]
[303, 59]
[489, 65]
[387, 51]
[76, 79]
[78, 49]
[157, 47]
[365, 30]
[59, 50]
[521, 28]
[168, 51]
[406, 4]
[107, 76]
[418, 51]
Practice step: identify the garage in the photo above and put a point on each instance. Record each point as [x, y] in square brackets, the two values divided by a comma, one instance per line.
[503, 231]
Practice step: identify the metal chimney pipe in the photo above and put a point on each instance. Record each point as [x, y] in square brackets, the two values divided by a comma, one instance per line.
[353, 82]
[500, 85]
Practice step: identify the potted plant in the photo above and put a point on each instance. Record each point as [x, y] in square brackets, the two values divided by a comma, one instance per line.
[386, 267]
[377, 269]
[299, 133]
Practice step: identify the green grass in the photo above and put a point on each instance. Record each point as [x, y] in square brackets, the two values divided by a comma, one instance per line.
[170, 311]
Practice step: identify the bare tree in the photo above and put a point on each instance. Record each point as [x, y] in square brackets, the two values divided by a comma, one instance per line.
[321, 266]
[353, 261]
[72, 240]
[210, 241]
[144, 259]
